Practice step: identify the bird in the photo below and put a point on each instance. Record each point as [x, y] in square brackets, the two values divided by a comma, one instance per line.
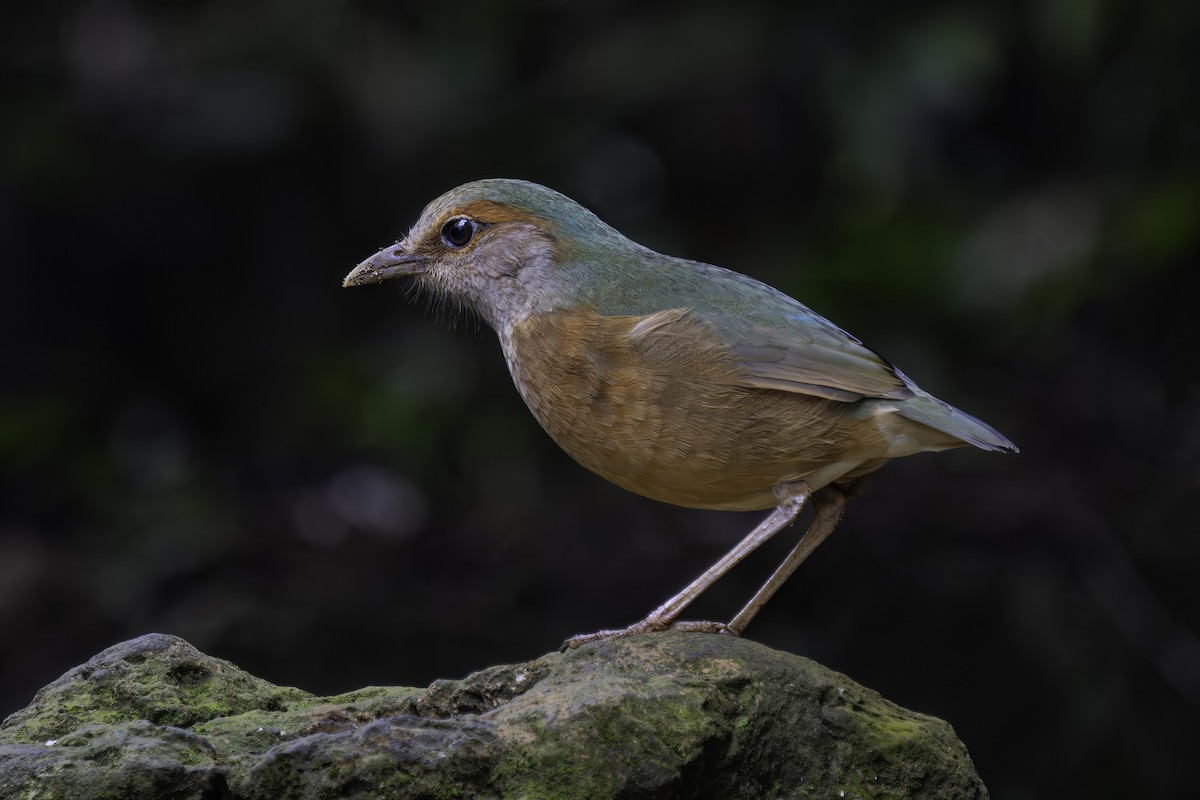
[681, 381]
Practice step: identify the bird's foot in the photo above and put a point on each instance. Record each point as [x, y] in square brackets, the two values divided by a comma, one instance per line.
[648, 625]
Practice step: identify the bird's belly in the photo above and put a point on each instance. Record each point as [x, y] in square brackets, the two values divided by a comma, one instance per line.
[689, 437]
[719, 451]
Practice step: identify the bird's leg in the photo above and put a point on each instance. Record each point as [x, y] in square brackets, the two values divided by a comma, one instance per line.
[829, 504]
[791, 497]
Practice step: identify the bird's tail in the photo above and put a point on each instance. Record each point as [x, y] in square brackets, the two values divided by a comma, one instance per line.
[926, 409]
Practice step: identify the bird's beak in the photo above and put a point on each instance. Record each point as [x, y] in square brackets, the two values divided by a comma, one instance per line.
[390, 262]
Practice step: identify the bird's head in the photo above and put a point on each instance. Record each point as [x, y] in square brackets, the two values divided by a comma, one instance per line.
[504, 247]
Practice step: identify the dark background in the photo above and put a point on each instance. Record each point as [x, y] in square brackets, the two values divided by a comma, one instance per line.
[201, 433]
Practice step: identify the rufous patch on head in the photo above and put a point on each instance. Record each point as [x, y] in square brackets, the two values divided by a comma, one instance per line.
[491, 212]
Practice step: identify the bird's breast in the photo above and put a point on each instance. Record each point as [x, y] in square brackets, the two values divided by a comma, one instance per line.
[657, 405]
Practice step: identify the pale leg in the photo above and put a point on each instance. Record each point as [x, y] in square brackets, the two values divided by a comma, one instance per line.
[830, 504]
[791, 497]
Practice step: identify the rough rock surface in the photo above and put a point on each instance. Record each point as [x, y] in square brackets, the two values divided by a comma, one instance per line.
[657, 716]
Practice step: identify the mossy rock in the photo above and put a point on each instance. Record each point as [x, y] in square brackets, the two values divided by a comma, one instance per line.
[661, 715]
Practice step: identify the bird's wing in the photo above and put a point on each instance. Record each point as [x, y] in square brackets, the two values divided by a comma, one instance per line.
[811, 356]
[778, 342]
[799, 352]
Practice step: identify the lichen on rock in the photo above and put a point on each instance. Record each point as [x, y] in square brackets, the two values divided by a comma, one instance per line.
[660, 715]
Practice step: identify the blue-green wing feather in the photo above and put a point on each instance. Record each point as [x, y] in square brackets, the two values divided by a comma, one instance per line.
[781, 343]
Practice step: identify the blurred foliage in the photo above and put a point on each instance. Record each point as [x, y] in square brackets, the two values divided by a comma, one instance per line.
[201, 434]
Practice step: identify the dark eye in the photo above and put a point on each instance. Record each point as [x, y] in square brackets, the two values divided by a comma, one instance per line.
[458, 231]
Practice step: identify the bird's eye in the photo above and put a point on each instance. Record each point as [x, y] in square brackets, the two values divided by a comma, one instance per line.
[458, 231]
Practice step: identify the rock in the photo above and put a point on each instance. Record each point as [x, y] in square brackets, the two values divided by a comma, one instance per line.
[656, 716]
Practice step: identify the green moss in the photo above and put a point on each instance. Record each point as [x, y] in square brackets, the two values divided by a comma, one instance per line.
[158, 678]
[663, 715]
[887, 733]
